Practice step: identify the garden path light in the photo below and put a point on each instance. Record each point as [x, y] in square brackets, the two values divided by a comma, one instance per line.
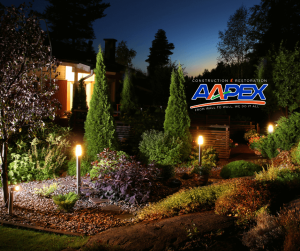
[11, 198]
[78, 154]
[200, 142]
[270, 129]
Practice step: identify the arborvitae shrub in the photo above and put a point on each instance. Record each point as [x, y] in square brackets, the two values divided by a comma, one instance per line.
[128, 99]
[239, 168]
[99, 126]
[177, 120]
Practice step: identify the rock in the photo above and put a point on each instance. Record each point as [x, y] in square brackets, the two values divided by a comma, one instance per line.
[161, 234]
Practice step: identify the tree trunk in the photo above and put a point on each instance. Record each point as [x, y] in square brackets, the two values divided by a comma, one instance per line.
[4, 174]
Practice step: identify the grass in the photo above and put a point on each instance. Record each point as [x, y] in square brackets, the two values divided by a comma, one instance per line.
[13, 239]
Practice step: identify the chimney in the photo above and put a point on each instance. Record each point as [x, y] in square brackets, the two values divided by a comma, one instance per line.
[110, 49]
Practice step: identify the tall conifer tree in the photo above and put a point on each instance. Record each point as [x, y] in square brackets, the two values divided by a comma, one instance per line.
[79, 102]
[128, 100]
[177, 120]
[100, 130]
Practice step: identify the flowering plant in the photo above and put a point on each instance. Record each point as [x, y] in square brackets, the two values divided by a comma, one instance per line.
[254, 142]
[232, 145]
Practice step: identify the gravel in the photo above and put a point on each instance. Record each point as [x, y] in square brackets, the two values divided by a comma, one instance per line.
[86, 218]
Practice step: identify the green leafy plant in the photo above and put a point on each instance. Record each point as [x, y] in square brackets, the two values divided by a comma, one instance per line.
[160, 147]
[295, 154]
[250, 133]
[209, 156]
[107, 161]
[46, 191]
[239, 168]
[66, 201]
[21, 169]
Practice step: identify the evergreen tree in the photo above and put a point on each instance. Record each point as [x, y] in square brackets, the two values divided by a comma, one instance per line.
[100, 130]
[71, 27]
[160, 51]
[79, 102]
[128, 99]
[177, 120]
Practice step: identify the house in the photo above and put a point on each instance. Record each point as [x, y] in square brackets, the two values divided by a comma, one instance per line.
[70, 72]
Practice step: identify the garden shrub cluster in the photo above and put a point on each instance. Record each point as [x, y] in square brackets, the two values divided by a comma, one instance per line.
[250, 133]
[123, 179]
[209, 156]
[160, 147]
[239, 168]
[284, 137]
[43, 160]
[108, 161]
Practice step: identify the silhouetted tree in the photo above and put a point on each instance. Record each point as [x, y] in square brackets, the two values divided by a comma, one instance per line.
[71, 26]
[124, 56]
[99, 126]
[23, 57]
[159, 52]
[235, 45]
[271, 22]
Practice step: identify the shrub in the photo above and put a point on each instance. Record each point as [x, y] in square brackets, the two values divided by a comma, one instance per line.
[244, 201]
[21, 168]
[239, 168]
[185, 201]
[250, 133]
[295, 154]
[129, 181]
[209, 156]
[266, 235]
[285, 136]
[177, 120]
[100, 130]
[160, 147]
[66, 202]
[108, 161]
[46, 191]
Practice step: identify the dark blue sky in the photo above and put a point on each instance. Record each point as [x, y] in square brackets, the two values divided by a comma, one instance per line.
[192, 26]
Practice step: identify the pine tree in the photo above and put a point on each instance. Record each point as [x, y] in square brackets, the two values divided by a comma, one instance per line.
[79, 102]
[128, 100]
[177, 120]
[99, 125]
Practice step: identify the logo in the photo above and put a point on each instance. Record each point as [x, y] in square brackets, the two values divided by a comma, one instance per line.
[245, 94]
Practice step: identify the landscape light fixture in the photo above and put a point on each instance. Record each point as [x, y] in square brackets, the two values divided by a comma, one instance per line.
[78, 154]
[11, 198]
[200, 142]
[270, 129]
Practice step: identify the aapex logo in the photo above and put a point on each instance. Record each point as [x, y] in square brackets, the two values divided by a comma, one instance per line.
[245, 94]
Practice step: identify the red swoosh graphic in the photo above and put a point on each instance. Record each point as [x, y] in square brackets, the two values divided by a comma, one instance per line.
[230, 103]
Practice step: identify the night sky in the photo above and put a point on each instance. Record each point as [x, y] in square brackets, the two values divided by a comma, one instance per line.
[192, 27]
